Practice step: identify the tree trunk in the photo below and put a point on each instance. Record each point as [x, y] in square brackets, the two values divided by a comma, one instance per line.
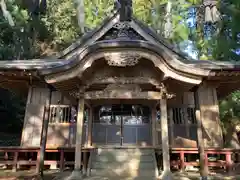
[81, 15]
[168, 20]
[6, 13]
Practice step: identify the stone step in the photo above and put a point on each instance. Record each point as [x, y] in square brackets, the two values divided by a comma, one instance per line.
[124, 173]
[108, 177]
[122, 158]
[137, 164]
[126, 151]
[130, 165]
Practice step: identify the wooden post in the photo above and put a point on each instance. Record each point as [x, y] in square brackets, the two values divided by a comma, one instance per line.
[154, 115]
[200, 142]
[78, 146]
[165, 140]
[38, 162]
[229, 161]
[90, 119]
[15, 160]
[182, 160]
[85, 162]
[62, 160]
[44, 135]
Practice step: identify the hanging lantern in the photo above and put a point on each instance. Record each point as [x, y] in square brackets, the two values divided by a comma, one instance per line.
[216, 16]
[208, 14]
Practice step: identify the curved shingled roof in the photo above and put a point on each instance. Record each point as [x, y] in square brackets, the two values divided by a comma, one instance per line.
[115, 33]
[92, 39]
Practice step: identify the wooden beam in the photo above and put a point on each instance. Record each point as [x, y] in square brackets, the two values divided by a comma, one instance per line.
[147, 79]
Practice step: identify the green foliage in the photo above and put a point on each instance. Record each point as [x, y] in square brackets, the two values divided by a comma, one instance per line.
[96, 11]
[60, 23]
[227, 41]
[230, 111]
[153, 13]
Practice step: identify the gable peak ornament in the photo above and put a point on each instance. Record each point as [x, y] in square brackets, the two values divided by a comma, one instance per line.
[125, 9]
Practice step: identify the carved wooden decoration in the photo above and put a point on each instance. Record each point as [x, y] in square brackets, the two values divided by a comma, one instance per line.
[122, 59]
[164, 92]
[125, 80]
[137, 75]
[123, 87]
[123, 91]
[122, 30]
[122, 95]
[122, 25]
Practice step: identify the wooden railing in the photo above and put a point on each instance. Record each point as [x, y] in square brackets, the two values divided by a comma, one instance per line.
[60, 114]
[183, 115]
[16, 156]
[182, 126]
[13, 156]
[227, 163]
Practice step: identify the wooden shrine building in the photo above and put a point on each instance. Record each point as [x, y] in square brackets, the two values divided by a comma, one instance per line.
[120, 85]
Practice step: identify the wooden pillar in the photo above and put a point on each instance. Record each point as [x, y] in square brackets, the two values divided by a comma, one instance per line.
[90, 119]
[172, 138]
[154, 116]
[200, 142]
[26, 109]
[186, 122]
[44, 135]
[165, 140]
[79, 133]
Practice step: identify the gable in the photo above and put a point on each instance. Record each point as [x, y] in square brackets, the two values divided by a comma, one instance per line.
[114, 30]
[121, 31]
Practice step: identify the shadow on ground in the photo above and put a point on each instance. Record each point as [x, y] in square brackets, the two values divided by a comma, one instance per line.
[56, 175]
[26, 175]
